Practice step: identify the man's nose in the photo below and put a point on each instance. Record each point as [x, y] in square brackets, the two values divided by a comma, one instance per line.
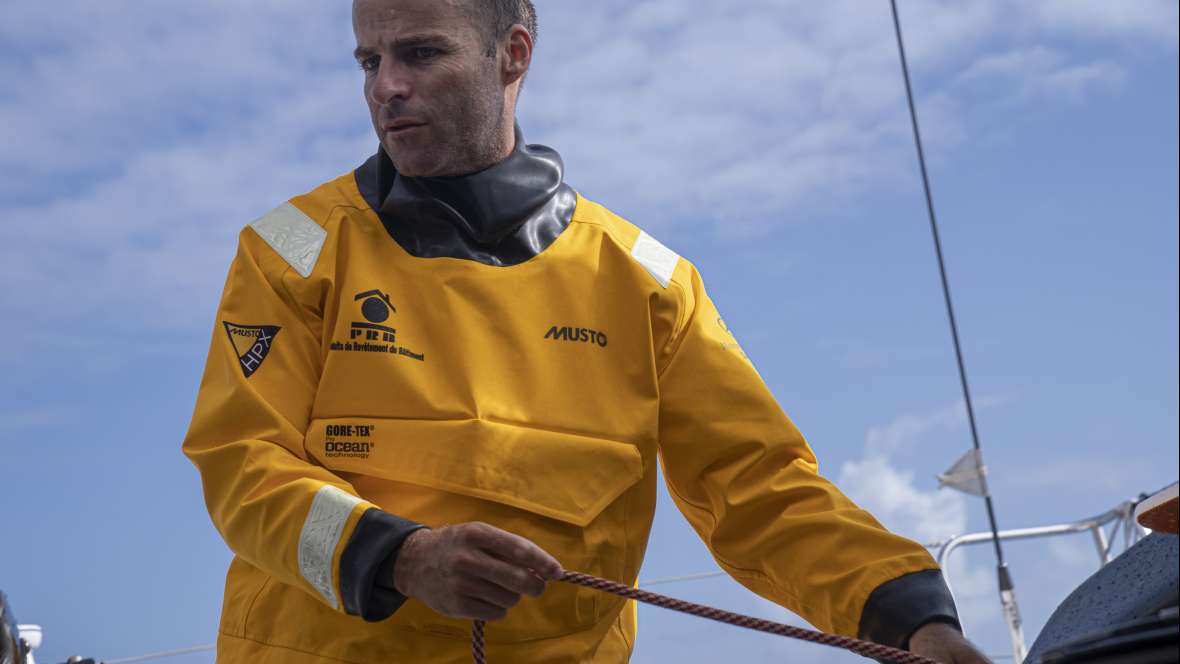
[390, 82]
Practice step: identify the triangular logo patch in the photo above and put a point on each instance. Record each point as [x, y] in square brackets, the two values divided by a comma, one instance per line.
[251, 344]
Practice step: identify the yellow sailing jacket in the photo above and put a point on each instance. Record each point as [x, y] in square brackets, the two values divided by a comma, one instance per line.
[346, 375]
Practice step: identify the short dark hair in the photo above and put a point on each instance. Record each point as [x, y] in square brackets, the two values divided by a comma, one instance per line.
[495, 17]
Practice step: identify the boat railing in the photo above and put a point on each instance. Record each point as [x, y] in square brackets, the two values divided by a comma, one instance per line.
[1104, 528]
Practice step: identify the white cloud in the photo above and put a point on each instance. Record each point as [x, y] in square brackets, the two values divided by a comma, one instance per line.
[1155, 19]
[1073, 553]
[1035, 74]
[1075, 81]
[906, 431]
[15, 422]
[1111, 475]
[880, 483]
[892, 496]
[137, 161]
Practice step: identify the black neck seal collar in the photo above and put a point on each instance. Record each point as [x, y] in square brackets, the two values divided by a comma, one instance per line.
[502, 215]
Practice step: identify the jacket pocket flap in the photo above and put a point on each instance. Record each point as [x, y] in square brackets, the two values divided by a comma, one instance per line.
[565, 476]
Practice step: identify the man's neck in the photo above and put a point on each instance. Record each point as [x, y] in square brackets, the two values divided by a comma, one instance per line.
[501, 215]
[506, 145]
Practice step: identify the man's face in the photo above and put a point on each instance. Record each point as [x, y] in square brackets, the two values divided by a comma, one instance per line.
[436, 100]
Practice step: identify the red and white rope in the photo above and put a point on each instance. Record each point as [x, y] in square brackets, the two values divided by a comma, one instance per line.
[865, 648]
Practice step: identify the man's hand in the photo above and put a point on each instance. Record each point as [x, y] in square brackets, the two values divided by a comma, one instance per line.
[472, 570]
[943, 643]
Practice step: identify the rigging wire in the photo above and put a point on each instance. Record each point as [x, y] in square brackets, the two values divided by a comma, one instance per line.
[677, 579]
[1006, 587]
[161, 655]
[946, 289]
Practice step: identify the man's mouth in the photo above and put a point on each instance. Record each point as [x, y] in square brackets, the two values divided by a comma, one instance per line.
[402, 126]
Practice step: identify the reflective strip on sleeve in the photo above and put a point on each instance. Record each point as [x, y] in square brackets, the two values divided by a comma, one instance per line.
[293, 235]
[657, 259]
[321, 533]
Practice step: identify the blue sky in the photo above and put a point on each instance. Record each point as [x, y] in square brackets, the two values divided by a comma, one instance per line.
[766, 140]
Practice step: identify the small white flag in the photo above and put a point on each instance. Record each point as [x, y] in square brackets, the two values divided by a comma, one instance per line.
[967, 475]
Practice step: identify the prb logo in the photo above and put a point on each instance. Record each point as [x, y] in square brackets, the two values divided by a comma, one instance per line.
[373, 334]
[251, 344]
[375, 307]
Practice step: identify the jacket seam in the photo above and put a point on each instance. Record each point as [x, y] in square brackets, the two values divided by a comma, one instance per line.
[394, 418]
[672, 348]
[619, 241]
[319, 360]
[795, 597]
[619, 440]
[682, 297]
[672, 489]
[622, 629]
[292, 649]
[286, 289]
[732, 566]
[285, 292]
[299, 313]
[254, 600]
[448, 636]
[553, 429]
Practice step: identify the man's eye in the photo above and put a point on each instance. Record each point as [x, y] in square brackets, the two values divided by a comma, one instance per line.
[426, 53]
[370, 63]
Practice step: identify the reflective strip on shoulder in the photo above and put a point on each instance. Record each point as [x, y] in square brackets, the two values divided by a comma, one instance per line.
[657, 259]
[293, 235]
[321, 534]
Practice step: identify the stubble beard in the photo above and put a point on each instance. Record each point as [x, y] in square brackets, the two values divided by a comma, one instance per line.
[479, 142]
[470, 138]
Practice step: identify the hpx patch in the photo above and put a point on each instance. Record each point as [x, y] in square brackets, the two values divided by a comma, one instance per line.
[251, 344]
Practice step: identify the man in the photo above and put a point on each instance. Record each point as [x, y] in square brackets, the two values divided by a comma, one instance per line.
[448, 377]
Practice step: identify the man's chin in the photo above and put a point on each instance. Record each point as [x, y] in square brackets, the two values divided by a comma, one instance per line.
[428, 164]
[416, 168]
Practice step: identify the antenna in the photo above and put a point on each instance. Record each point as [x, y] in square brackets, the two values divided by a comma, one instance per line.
[1007, 589]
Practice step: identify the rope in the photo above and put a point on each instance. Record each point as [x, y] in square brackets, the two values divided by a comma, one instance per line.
[477, 645]
[865, 648]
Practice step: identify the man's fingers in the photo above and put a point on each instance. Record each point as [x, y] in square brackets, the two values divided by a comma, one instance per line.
[519, 551]
[489, 592]
[973, 656]
[510, 577]
[943, 643]
[476, 570]
[473, 608]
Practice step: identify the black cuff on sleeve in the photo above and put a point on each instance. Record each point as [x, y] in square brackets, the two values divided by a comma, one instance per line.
[897, 608]
[375, 542]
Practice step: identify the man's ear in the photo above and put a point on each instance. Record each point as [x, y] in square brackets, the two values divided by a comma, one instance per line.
[518, 51]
